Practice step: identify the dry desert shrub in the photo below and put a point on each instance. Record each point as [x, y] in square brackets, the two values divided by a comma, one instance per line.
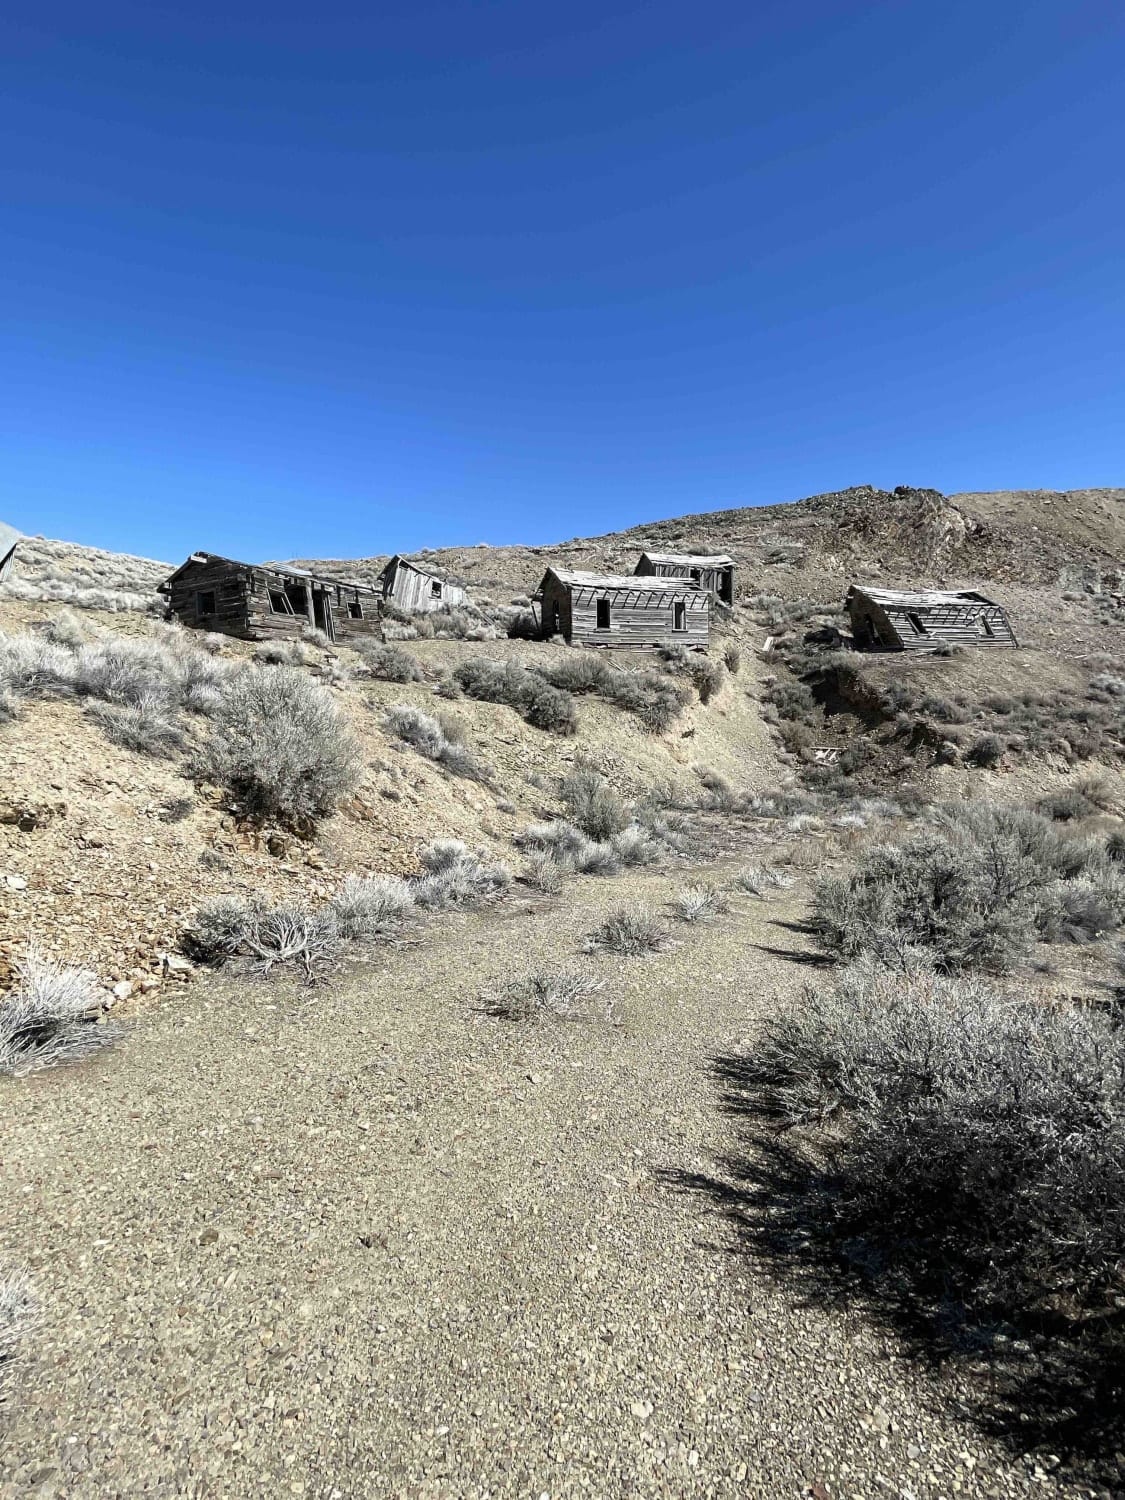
[19, 1315]
[630, 931]
[53, 1015]
[593, 805]
[454, 876]
[390, 662]
[267, 935]
[566, 995]
[542, 705]
[282, 748]
[975, 1168]
[145, 727]
[973, 891]
[371, 908]
[759, 880]
[700, 902]
[438, 739]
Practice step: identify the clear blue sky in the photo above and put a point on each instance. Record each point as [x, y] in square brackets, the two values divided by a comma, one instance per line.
[330, 279]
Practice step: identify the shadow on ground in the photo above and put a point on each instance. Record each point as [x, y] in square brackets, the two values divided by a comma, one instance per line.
[1043, 1381]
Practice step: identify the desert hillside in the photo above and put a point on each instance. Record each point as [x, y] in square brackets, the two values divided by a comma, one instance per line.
[816, 546]
[457, 1063]
[108, 848]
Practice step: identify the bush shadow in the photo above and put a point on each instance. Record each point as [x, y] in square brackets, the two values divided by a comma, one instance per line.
[1049, 1382]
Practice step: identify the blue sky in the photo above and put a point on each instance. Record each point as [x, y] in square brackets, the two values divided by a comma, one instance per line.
[332, 280]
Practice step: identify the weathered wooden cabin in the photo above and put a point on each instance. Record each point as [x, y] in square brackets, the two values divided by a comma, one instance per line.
[9, 541]
[259, 602]
[416, 589]
[920, 620]
[713, 572]
[591, 609]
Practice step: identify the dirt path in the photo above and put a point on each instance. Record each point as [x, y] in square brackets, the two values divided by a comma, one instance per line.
[366, 1241]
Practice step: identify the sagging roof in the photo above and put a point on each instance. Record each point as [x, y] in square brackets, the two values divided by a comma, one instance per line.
[691, 559]
[920, 598]
[303, 574]
[427, 572]
[632, 581]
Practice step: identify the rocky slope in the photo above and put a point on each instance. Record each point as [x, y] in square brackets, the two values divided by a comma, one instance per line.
[105, 852]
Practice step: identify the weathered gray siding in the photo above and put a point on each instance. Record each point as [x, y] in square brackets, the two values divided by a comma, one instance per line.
[717, 581]
[243, 608]
[413, 590]
[896, 627]
[638, 618]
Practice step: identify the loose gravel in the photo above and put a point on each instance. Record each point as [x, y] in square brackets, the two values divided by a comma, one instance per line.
[366, 1239]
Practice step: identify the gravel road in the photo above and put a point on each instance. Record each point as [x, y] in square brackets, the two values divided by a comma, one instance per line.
[364, 1240]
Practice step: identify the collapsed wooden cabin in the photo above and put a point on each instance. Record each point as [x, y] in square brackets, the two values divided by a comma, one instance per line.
[713, 572]
[921, 620]
[9, 541]
[260, 602]
[417, 589]
[592, 609]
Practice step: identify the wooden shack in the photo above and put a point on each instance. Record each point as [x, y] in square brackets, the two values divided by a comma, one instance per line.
[923, 619]
[260, 602]
[713, 572]
[9, 541]
[417, 589]
[592, 609]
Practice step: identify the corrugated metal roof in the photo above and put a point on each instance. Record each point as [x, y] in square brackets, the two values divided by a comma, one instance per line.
[921, 598]
[692, 560]
[633, 581]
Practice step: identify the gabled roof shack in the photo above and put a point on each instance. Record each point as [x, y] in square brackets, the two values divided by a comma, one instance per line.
[415, 587]
[259, 601]
[214, 559]
[924, 619]
[624, 610]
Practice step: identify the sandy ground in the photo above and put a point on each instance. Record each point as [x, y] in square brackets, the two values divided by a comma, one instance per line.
[365, 1240]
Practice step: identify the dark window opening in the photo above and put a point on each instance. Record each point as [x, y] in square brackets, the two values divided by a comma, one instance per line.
[679, 615]
[205, 603]
[295, 593]
[696, 574]
[355, 609]
[279, 603]
[603, 614]
[916, 623]
[435, 590]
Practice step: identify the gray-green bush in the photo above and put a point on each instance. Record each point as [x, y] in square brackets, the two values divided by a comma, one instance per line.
[630, 931]
[390, 662]
[563, 995]
[971, 892]
[282, 748]
[438, 739]
[976, 1165]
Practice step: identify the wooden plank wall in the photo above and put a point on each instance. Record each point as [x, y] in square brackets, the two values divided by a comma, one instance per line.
[411, 591]
[638, 620]
[952, 625]
[243, 608]
[712, 579]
